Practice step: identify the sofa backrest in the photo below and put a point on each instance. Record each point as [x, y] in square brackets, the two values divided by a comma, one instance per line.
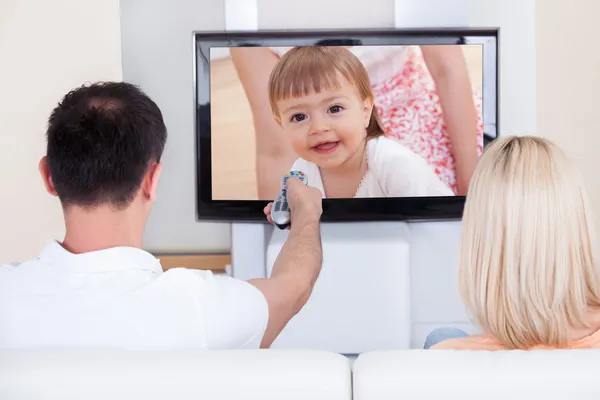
[299, 374]
[174, 375]
[477, 375]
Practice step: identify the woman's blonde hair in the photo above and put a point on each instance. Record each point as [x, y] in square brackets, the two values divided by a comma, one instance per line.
[307, 69]
[527, 264]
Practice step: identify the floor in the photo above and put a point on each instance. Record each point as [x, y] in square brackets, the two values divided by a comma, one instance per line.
[232, 136]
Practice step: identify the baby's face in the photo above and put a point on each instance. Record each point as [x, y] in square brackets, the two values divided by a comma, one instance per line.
[326, 128]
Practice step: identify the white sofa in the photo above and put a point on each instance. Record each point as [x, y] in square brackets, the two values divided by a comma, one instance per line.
[299, 374]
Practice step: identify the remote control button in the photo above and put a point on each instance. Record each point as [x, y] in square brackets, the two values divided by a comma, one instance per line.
[278, 206]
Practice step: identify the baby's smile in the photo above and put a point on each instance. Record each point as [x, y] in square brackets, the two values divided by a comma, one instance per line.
[326, 147]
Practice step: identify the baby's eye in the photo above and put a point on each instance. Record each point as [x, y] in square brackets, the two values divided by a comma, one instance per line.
[335, 109]
[298, 117]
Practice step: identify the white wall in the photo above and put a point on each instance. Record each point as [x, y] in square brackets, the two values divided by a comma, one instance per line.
[46, 49]
[568, 83]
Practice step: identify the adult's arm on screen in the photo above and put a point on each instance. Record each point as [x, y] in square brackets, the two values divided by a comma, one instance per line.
[274, 154]
[295, 272]
[448, 68]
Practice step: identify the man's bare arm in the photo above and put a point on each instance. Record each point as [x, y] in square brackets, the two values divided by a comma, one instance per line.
[294, 274]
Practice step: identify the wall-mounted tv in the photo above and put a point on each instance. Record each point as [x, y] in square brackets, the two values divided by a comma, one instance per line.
[388, 124]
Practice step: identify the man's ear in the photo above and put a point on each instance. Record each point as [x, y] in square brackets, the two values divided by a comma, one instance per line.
[151, 181]
[46, 177]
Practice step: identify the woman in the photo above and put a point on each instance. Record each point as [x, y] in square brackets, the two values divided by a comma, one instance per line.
[527, 269]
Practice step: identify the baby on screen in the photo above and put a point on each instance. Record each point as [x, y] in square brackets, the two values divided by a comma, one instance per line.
[321, 97]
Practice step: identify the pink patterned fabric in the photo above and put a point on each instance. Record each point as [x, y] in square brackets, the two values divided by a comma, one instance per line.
[409, 108]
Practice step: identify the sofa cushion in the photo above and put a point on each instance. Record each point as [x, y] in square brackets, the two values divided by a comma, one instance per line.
[477, 375]
[181, 375]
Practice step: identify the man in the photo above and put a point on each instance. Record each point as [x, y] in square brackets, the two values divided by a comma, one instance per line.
[98, 287]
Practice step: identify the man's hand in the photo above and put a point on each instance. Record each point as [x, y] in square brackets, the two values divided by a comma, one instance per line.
[305, 202]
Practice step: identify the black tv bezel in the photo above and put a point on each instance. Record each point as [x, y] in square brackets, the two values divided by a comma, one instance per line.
[334, 210]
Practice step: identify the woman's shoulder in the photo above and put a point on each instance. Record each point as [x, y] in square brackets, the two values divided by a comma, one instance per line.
[473, 342]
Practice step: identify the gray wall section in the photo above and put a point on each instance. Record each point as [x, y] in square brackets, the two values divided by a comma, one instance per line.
[157, 55]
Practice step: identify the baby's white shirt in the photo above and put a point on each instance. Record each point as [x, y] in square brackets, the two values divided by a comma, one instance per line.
[393, 171]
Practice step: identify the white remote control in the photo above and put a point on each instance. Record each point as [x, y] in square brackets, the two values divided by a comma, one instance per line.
[280, 212]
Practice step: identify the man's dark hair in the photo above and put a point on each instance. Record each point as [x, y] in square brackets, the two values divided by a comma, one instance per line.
[101, 140]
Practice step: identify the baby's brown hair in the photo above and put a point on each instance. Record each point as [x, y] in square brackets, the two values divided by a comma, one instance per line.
[306, 69]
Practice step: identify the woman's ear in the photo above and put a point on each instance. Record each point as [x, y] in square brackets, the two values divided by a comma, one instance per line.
[46, 177]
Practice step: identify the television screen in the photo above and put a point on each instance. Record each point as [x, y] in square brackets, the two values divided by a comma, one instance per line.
[387, 124]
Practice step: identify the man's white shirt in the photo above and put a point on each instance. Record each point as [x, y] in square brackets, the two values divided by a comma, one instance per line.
[120, 297]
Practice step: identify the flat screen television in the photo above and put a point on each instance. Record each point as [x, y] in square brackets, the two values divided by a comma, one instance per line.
[399, 144]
